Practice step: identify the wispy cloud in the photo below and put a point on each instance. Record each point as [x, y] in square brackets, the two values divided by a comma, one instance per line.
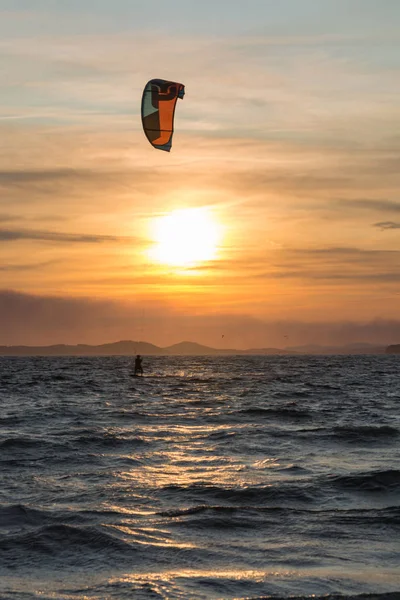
[31, 177]
[12, 235]
[6, 218]
[340, 266]
[278, 85]
[384, 225]
[26, 267]
[366, 204]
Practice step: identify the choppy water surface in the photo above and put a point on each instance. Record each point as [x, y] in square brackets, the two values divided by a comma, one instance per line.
[227, 477]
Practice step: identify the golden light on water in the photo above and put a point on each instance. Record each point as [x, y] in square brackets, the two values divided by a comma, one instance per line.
[186, 237]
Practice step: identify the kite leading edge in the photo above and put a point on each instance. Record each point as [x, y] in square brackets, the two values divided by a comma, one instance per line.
[158, 110]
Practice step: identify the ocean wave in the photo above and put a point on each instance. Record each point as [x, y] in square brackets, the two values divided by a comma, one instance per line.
[12, 420]
[57, 539]
[365, 432]
[284, 412]
[24, 443]
[375, 481]
[23, 517]
[387, 516]
[106, 438]
[351, 433]
[18, 515]
[257, 494]
[293, 394]
[221, 435]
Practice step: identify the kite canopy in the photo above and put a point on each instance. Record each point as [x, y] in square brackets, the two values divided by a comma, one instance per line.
[158, 109]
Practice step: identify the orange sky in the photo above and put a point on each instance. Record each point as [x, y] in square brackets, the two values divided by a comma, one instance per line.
[288, 143]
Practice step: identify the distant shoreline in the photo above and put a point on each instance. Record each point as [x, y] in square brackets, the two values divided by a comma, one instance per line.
[131, 348]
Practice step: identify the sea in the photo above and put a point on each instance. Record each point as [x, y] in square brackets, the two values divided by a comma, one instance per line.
[219, 477]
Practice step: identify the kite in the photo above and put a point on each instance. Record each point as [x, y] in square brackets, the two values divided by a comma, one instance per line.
[158, 110]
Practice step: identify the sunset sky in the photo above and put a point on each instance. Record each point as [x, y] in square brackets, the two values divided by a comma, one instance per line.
[287, 144]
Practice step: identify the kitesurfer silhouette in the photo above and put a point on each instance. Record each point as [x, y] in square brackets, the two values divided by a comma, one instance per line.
[138, 366]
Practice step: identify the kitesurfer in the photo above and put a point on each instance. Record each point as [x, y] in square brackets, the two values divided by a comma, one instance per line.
[138, 366]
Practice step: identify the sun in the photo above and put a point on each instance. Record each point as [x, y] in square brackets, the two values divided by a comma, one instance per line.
[186, 237]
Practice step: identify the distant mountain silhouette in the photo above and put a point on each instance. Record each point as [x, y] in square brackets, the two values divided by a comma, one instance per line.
[395, 349]
[357, 348]
[130, 348]
[194, 349]
[122, 348]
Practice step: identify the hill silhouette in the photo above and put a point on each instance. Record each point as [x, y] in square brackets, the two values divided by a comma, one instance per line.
[130, 348]
[186, 348]
[395, 349]
[357, 348]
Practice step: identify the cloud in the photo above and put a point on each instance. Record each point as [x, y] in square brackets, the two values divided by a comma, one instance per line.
[21, 177]
[54, 178]
[297, 80]
[27, 267]
[375, 205]
[12, 235]
[36, 320]
[345, 266]
[358, 255]
[89, 189]
[6, 218]
[341, 266]
[337, 276]
[384, 225]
